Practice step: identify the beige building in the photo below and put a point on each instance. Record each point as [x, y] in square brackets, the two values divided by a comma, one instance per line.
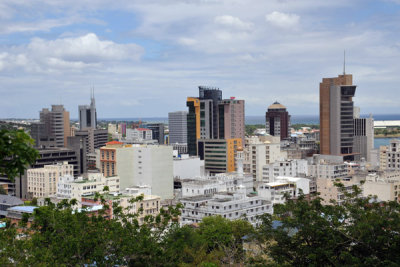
[383, 157]
[386, 187]
[42, 182]
[260, 151]
[328, 191]
[150, 205]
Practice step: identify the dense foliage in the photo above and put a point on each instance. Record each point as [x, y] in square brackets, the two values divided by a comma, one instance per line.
[361, 232]
[16, 152]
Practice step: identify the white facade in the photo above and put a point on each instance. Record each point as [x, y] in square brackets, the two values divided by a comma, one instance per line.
[139, 134]
[186, 167]
[70, 188]
[138, 165]
[42, 182]
[291, 168]
[231, 206]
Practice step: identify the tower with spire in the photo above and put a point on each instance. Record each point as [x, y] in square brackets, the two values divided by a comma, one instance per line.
[88, 114]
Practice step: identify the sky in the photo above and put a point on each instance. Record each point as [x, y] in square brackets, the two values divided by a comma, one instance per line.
[144, 58]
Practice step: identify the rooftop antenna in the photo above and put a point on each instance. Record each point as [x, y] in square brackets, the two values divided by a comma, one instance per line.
[344, 62]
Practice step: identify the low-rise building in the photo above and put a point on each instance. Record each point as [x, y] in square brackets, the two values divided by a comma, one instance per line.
[42, 182]
[290, 168]
[139, 134]
[231, 206]
[186, 166]
[328, 191]
[7, 202]
[71, 188]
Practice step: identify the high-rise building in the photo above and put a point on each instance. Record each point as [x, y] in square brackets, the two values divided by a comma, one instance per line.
[88, 115]
[363, 138]
[56, 124]
[231, 119]
[177, 125]
[214, 95]
[336, 116]
[140, 165]
[157, 131]
[219, 154]
[277, 121]
[210, 117]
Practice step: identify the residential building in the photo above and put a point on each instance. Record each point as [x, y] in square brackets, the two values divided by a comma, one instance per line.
[177, 126]
[278, 121]
[336, 116]
[260, 151]
[70, 188]
[149, 205]
[383, 157]
[88, 115]
[283, 187]
[329, 192]
[185, 167]
[46, 157]
[385, 189]
[289, 168]
[328, 167]
[139, 134]
[42, 182]
[140, 165]
[393, 155]
[219, 154]
[56, 124]
[228, 205]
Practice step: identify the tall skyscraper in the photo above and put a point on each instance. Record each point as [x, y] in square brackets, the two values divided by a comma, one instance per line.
[363, 138]
[277, 121]
[177, 125]
[56, 124]
[88, 115]
[336, 116]
[214, 95]
[231, 119]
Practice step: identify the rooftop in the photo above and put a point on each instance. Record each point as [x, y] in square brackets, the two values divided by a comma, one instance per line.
[276, 105]
[26, 209]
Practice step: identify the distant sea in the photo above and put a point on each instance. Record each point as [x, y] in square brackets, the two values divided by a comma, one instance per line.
[251, 120]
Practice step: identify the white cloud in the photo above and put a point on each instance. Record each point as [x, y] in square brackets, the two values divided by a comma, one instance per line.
[187, 41]
[72, 53]
[233, 22]
[283, 20]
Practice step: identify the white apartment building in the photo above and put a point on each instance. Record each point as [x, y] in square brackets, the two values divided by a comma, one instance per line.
[138, 165]
[328, 167]
[139, 134]
[275, 191]
[71, 188]
[42, 182]
[260, 151]
[223, 182]
[232, 206]
[186, 167]
[150, 205]
[112, 128]
[291, 168]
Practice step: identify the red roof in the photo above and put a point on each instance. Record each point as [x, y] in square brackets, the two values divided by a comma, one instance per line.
[142, 129]
[114, 143]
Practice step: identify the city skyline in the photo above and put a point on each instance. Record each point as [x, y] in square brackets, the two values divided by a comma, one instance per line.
[137, 55]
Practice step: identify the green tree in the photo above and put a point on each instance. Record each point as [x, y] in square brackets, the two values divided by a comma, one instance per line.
[2, 191]
[361, 232]
[16, 152]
